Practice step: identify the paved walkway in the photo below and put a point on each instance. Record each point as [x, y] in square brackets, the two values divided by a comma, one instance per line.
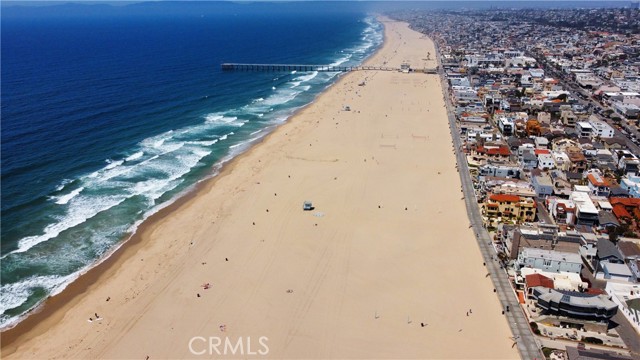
[527, 343]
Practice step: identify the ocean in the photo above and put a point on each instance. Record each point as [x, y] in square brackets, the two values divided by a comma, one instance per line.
[109, 116]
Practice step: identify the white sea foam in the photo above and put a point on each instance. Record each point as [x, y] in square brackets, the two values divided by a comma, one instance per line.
[63, 184]
[63, 199]
[280, 98]
[15, 294]
[202, 142]
[308, 77]
[134, 156]
[220, 119]
[113, 164]
[82, 208]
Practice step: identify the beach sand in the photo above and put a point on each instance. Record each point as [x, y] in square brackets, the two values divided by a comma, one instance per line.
[386, 248]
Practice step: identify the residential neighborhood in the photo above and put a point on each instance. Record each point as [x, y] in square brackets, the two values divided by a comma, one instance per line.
[547, 109]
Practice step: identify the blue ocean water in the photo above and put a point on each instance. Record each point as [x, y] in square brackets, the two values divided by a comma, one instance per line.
[110, 114]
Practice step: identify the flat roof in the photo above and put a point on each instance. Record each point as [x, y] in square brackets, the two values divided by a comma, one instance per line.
[583, 202]
[584, 124]
[552, 255]
[617, 269]
[575, 298]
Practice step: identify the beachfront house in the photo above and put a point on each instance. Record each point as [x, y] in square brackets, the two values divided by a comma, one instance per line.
[549, 260]
[574, 304]
[507, 207]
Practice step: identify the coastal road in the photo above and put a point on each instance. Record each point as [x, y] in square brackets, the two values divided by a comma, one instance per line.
[527, 343]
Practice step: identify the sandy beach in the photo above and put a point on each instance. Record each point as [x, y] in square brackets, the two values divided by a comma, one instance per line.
[384, 266]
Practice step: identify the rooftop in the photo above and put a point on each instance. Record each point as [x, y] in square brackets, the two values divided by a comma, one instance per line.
[551, 255]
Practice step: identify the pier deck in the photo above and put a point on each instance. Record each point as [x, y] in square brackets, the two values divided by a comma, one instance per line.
[302, 67]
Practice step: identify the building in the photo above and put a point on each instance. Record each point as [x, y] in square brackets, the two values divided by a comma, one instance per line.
[495, 170]
[528, 160]
[574, 304]
[464, 94]
[581, 353]
[534, 280]
[615, 272]
[506, 126]
[626, 161]
[584, 129]
[577, 158]
[630, 111]
[627, 297]
[630, 251]
[546, 161]
[596, 182]
[563, 211]
[497, 152]
[549, 260]
[631, 184]
[606, 253]
[568, 118]
[558, 280]
[600, 128]
[542, 184]
[623, 208]
[586, 211]
[510, 207]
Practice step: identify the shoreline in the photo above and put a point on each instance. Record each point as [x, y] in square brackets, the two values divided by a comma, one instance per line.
[343, 271]
[55, 303]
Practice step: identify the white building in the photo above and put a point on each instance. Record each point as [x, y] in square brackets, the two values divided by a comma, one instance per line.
[627, 110]
[506, 126]
[562, 210]
[601, 128]
[615, 272]
[546, 162]
[549, 260]
[631, 183]
[627, 297]
[562, 280]
[626, 161]
[463, 93]
[561, 160]
[586, 211]
[584, 129]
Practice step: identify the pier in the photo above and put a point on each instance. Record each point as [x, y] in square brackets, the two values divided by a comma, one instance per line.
[302, 67]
